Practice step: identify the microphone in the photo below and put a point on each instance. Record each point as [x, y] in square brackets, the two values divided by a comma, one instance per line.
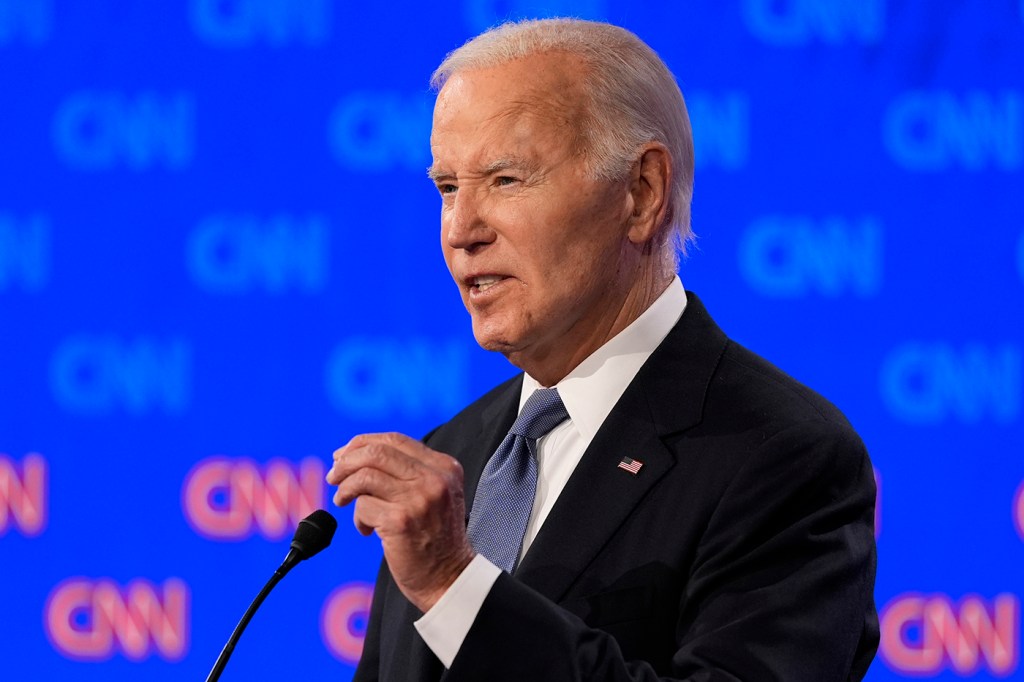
[314, 533]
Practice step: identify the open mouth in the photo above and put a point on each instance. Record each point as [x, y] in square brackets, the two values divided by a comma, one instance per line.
[484, 282]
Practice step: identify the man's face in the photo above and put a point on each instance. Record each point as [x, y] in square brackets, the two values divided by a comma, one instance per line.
[538, 248]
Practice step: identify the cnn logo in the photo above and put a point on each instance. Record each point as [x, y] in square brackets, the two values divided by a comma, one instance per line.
[233, 498]
[343, 621]
[95, 620]
[23, 494]
[924, 635]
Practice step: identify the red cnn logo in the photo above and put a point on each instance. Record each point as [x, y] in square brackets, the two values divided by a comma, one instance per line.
[927, 634]
[93, 620]
[230, 499]
[343, 621]
[23, 494]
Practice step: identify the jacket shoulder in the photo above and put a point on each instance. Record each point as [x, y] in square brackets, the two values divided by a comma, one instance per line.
[745, 384]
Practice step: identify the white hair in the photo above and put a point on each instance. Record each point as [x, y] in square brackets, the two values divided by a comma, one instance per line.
[632, 99]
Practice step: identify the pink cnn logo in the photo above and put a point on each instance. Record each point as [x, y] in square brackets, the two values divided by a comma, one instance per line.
[230, 499]
[23, 494]
[923, 635]
[343, 621]
[94, 620]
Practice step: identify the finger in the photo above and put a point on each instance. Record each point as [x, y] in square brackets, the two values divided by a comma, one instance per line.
[390, 519]
[414, 448]
[371, 482]
[369, 514]
[337, 455]
[399, 441]
[345, 462]
[333, 476]
[376, 453]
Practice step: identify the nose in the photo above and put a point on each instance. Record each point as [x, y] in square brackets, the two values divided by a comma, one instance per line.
[464, 223]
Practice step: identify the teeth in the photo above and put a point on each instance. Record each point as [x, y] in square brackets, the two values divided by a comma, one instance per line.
[486, 282]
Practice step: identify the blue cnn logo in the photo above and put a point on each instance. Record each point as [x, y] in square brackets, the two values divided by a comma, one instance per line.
[275, 22]
[721, 129]
[24, 253]
[935, 130]
[238, 254]
[928, 383]
[27, 21]
[96, 131]
[483, 14]
[379, 378]
[794, 256]
[381, 131]
[100, 375]
[795, 23]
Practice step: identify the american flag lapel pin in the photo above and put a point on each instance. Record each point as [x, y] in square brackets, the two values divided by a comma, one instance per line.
[631, 465]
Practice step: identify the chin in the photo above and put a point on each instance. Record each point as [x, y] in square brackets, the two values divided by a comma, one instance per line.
[494, 344]
[496, 340]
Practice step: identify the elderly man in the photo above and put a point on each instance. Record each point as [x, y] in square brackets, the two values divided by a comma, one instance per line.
[649, 499]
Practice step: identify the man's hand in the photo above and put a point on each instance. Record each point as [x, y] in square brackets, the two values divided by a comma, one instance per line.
[413, 497]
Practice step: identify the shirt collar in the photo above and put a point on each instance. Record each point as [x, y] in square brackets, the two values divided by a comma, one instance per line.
[591, 390]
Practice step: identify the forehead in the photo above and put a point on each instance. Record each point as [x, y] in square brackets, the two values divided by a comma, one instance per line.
[512, 104]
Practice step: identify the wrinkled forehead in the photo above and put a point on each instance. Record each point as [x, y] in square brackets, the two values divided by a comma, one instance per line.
[546, 88]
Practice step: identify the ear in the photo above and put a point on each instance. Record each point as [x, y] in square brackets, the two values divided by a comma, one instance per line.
[649, 191]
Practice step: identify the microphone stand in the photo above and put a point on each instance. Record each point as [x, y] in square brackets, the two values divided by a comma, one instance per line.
[313, 534]
[225, 653]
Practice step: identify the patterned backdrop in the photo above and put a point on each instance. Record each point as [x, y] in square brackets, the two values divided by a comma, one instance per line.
[219, 260]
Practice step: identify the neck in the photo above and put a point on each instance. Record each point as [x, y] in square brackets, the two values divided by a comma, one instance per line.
[551, 365]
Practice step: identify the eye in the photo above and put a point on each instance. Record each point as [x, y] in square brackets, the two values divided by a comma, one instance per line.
[505, 180]
[446, 188]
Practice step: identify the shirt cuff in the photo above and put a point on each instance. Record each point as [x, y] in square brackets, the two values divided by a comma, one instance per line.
[445, 626]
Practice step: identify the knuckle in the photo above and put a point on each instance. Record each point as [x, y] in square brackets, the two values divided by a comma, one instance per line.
[392, 438]
[453, 467]
[356, 483]
[361, 440]
[366, 479]
[374, 452]
[401, 521]
[435, 488]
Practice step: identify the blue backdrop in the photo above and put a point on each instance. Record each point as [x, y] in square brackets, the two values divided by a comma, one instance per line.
[219, 260]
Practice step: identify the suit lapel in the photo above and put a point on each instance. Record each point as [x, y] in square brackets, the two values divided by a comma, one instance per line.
[665, 398]
[495, 421]
[597, 498]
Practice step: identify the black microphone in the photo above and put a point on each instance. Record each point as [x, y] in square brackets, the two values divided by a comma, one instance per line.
[313, 534]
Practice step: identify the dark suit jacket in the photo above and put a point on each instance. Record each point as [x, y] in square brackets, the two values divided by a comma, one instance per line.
[742, 550]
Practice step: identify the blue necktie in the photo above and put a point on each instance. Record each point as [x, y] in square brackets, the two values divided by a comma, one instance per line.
[504, 496]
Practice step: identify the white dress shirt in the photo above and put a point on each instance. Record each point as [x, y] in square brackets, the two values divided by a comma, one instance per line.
[588, 392]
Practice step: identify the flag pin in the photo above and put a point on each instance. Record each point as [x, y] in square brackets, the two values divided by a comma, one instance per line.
[631, 465]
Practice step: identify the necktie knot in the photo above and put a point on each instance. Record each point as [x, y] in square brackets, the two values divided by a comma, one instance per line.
[542, 412]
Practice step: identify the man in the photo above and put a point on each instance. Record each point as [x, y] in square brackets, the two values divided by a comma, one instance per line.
[691, 512]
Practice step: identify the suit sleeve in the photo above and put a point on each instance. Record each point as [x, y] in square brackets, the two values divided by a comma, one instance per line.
[781, 587]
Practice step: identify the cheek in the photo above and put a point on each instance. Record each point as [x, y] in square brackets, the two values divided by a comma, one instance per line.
[447, 252]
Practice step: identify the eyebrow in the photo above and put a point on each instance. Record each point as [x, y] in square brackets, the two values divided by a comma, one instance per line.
[436, 174]
[493, 167]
